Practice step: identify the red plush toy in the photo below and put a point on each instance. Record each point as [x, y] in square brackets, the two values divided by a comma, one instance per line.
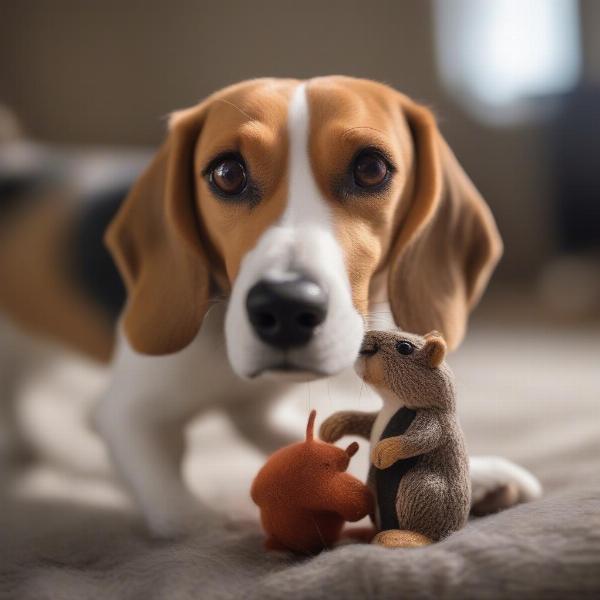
[305, 495]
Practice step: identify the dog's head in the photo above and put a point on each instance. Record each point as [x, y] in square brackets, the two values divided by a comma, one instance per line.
[292, 199]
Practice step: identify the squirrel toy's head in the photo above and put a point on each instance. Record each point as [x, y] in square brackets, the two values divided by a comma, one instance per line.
[306, 474]
[410, 367]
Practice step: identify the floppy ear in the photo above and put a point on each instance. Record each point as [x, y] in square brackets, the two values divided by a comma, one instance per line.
[155, 240]
[447, 243]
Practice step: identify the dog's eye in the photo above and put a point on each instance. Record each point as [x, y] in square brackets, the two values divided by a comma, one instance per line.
[370, 169]
[229, 176]
[405, 348]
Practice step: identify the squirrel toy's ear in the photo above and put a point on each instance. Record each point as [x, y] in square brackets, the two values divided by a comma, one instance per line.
[310, 426]
[435, 348]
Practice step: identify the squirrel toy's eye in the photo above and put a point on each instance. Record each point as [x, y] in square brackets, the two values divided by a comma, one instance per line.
[405, 348]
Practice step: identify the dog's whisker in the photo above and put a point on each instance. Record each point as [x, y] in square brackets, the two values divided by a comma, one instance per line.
[347, 131]
[228, 102]
[362, 386]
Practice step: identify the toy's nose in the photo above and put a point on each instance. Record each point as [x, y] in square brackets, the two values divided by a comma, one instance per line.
[369, 347]
[285, 313]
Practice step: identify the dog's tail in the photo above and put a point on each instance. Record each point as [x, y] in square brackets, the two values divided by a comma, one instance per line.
[23, 166]
[55, 204]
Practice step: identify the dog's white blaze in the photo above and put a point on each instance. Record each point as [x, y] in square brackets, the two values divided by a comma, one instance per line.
[302, 241]
[305, 203]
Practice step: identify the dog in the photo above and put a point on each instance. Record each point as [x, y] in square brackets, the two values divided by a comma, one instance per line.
[277, 216]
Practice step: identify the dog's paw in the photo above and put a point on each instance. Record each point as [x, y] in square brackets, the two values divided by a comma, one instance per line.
[498, 483]
[496, 500]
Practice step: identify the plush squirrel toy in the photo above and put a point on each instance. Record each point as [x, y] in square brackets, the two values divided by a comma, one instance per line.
[305, 495]
[420, 472]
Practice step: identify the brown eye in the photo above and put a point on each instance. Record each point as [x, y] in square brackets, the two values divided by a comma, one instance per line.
[229, 176]
[370, 170]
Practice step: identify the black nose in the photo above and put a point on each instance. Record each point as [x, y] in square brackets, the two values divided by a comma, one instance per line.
[286, 313]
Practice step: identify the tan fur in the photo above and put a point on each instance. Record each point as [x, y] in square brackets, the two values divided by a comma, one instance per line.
[175, 243]
[346, 116]
[37, 292]
[431, 226]
[173, 240]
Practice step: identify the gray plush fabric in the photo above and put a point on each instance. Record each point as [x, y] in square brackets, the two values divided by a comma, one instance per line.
[548, 549]
[69, 534]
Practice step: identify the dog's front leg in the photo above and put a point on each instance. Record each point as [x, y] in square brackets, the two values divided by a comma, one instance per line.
[142, 419]
[252, 418]
[147, 452]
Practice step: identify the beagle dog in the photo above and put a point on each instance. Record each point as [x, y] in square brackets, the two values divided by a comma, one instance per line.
[276, 218]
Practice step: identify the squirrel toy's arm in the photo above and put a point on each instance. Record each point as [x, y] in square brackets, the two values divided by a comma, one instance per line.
[347, 422]
[425, 433]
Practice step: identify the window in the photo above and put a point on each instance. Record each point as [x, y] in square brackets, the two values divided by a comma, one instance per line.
[499, 56]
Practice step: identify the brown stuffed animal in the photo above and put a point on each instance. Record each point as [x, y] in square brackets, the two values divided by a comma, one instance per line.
[305, 495]
[421, 470]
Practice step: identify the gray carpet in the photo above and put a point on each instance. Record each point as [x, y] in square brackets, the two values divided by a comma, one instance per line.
[68, 532]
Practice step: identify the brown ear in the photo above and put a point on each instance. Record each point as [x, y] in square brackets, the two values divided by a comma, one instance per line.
[155, 240]
[434, 349]
[447, 243]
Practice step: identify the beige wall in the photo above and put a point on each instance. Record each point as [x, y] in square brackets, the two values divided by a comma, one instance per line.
[108, 71]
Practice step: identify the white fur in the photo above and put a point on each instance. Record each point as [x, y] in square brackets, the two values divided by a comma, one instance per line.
[489, 473]
[20, 356]
[143, 415]
[151, 399]
[303, 241]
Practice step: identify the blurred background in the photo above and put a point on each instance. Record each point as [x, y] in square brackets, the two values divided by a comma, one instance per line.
[516, 87]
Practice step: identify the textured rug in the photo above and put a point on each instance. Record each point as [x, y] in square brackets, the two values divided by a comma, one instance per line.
[67, 531]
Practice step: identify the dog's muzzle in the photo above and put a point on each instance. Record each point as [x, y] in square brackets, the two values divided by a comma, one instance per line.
[285, 313]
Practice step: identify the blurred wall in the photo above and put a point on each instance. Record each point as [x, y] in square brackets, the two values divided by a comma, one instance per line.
[107, 73]
[590, 39]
